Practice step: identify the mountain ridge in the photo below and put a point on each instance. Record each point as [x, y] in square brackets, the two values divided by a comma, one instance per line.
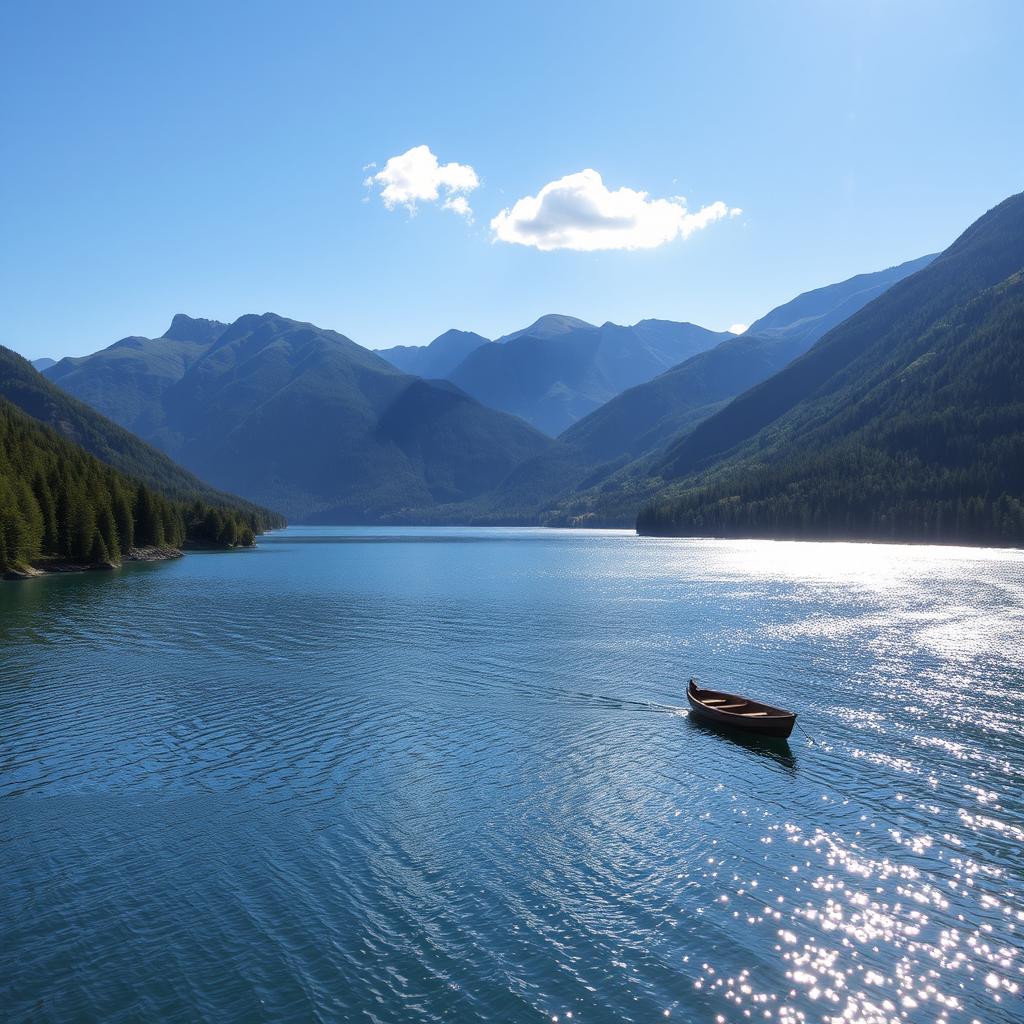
[302, 418]
[906, 421]
[641, 418]
[80, 424]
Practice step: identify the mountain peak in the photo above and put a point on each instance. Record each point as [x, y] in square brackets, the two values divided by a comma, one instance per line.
[437, 359]
[454, 334]
[186, 328]
[551, 325]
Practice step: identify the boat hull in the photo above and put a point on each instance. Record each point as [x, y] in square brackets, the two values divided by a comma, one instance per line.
[754, 718]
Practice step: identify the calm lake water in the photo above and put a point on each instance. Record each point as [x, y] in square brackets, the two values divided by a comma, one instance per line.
[424, 775]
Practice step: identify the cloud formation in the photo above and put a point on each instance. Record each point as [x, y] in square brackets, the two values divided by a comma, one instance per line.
[416, 176]
[579, 212]
[738, 328]
[459, 205]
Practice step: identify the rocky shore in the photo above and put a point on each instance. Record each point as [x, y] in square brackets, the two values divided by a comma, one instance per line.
[146, 554]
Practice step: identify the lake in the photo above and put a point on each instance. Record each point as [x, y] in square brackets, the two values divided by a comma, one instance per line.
[392, 775]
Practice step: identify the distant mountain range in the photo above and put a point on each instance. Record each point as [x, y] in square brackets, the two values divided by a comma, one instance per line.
[301, 419]
[438, 359]
[43, 364]
[906, 421]
[708, 432]
[643, 418]
[559, 368]
[553, 380]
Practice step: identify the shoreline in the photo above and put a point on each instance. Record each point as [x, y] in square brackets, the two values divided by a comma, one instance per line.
[54, 568]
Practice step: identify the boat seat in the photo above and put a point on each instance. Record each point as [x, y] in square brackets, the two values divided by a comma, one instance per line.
[715, 700]
[755, 714]
[727, 707]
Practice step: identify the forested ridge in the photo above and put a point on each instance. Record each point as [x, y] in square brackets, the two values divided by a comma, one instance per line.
[59, 503]
[112, 444]
[918, 437]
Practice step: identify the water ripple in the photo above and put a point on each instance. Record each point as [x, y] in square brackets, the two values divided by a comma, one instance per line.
[434, 775]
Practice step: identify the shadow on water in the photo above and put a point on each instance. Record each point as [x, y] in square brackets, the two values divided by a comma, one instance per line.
[773, 748]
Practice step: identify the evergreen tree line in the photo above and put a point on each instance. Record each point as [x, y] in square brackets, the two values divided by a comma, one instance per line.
[856, 493]
[114, 446]
[57, 501]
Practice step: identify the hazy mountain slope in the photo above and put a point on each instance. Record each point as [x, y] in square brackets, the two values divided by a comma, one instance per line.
[551, 325]
[812, 314]
[127, 381]
[302, 418]
[906, 421]
[647, 416]
[43, 364]
[38, 397]
[436, 360]
[553, 379]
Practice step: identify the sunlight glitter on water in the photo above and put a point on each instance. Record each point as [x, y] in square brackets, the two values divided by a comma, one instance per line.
[374, 774]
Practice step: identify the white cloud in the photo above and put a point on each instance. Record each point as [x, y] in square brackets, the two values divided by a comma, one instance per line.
[416, 176]
[579, 212]
[738, 328]
[459, 205]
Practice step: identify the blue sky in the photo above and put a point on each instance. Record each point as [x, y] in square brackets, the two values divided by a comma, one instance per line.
[212, 158]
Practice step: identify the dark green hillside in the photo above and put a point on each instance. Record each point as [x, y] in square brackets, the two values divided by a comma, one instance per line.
[31, 392]
[904, 423]
[451, 439]
[987, 253]
[58, 502]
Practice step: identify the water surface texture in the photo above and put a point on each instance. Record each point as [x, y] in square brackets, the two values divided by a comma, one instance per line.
[426, 775]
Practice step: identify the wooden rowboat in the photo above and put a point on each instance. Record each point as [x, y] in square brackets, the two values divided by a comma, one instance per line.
[734, 712]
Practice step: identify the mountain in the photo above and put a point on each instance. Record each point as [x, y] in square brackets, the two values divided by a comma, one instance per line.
[904, 422]
[647, 416]
[437, 359]
[60, 504]
[560, 369]
[127, 381]
[33, 394]
[551, 325]
[43, 364]
[304, 419]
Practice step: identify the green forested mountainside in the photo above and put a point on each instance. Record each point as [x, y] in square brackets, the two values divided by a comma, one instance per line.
[33, 393]
[437, 359]
[557, 371]
[647, 416]
[59, 502]
[305, 420]
[906, 422]
[988, 252]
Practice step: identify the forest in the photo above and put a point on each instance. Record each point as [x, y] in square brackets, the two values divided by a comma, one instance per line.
[905, 423]
[59, 503]
[859, 494]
